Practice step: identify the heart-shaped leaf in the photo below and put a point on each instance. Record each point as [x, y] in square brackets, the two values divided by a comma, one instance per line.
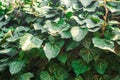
[78, 33]
[52, 50]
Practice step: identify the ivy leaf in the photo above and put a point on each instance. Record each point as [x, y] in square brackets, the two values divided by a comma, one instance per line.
[78, 33]
[79, 66]
[3, 23]
[103, 44]
[115, 36]
[21, 29]
[65, 34]
[89, 54]
[85, 3]
[60, 73]
[92, 7]
[28, 41]
[9, 51]
[52, 50]
[71, 45]
[62, 58]
[16, 67]
[101, 66]
[26, 76]
[78, 78]
[69, 14]
[7, 35]
[87, 43]
[44, 75]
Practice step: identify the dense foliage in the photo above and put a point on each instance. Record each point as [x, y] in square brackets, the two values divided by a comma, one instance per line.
[59, 40]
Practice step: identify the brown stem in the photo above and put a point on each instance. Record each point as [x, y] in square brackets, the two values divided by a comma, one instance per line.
[105, 19]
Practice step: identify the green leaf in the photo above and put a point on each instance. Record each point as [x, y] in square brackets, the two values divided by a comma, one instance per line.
[30, 18]
[3, 23]
[8, 51]
[116, 77]
[89, 54]
[21, 29]
[26, 76]
[78, 78]
[90, 23]
[3, 66]
[28, 41]
[52, 50]
[71, 45]
[62, 58]
[44, 75]
[78, 33]
[87, 43]
[5, 51]
[7, 35]
[65, 34]
[79, 66]
[69, 14]
[15, 67]
[95, 19]
[60, 73]
[85, 3]
[101, 66]
[115, 36]
[51, 39]
[92, 7]
[103, 44]
[55, 29]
